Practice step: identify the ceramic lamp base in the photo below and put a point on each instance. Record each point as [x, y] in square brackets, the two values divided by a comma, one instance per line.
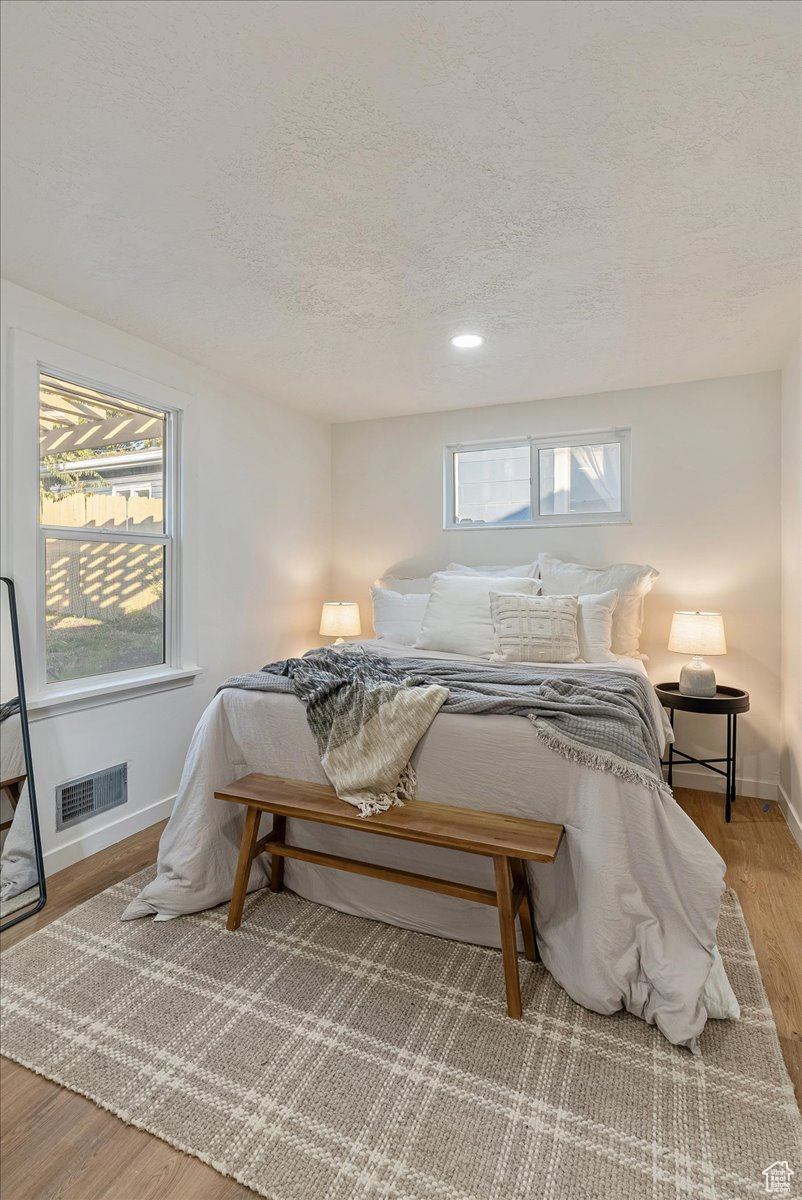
[697, 678]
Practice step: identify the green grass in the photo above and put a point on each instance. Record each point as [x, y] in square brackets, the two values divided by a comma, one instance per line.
[81, 646]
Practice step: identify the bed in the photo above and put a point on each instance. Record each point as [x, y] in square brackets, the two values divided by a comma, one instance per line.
[626, 917]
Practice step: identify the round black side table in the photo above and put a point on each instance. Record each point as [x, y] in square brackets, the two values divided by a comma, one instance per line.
[728, 701]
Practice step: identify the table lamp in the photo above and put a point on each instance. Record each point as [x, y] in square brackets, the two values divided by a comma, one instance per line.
[697, 633]
[340, 619]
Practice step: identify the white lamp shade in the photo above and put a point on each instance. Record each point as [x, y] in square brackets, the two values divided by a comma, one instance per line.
[697, 633]
[340, 618]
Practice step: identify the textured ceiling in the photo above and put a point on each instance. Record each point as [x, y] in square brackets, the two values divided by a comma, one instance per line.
[311, 198]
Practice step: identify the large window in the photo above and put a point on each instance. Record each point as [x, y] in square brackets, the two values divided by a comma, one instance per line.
[107, 517]
[575, 479]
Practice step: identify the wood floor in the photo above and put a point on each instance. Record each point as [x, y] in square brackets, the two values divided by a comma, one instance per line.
[58, 1146]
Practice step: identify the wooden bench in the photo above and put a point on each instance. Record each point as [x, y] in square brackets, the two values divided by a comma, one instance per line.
[509, 841]
[13, 789]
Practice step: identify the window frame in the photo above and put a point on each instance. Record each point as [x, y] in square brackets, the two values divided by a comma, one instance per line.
[25, 536]
[171, 522]
[620, 435]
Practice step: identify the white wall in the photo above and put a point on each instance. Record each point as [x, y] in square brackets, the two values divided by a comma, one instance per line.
[706, 503]
[791, 757]
[257, 525]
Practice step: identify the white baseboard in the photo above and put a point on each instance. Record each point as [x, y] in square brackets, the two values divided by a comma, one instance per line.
[705, 781]
[792, 817]
[100, 839]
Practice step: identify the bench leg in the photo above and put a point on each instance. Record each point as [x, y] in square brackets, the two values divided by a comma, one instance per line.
[277, 860]
[509, 949]
[526, 911]
[249, 836]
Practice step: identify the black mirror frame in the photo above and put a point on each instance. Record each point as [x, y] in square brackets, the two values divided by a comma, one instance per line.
[26, 749]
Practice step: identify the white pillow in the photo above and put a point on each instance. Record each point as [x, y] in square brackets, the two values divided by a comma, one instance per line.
[632, 581]
[534, 628]
[417, 587]
[457, 617]
[524, 571]
[595, 627]
[397, 616]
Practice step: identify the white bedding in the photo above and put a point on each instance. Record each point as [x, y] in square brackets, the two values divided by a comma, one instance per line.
[626, 916]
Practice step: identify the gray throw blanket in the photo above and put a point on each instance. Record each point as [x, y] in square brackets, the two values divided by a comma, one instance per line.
[602, 719]
[367, 718]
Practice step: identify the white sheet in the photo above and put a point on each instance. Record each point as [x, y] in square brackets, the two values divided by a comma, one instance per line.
[626, 916]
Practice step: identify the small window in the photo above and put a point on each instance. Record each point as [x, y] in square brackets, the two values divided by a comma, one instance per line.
[576, 479]
[580, 479]
[106, 518]
[493, 486]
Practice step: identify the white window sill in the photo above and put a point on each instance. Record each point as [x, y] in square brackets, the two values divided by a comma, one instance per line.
[111, 689]
[543, 522]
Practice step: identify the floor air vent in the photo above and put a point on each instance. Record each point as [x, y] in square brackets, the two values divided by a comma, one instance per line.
[91, 794]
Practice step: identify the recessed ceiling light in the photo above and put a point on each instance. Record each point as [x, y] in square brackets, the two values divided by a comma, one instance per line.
[467, 341]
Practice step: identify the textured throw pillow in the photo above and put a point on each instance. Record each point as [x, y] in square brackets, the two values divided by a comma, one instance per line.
[535, 628]
[397, 616]
[594, 623]
[457, 617]
[632, 581]
[405, 586]
[524, 571]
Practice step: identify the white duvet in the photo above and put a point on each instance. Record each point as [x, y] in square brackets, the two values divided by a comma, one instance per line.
[626, 916]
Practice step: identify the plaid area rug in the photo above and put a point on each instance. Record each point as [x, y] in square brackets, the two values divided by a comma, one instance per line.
[316, 1055]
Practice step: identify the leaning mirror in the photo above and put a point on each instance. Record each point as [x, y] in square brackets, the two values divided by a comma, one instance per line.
[22, 877]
